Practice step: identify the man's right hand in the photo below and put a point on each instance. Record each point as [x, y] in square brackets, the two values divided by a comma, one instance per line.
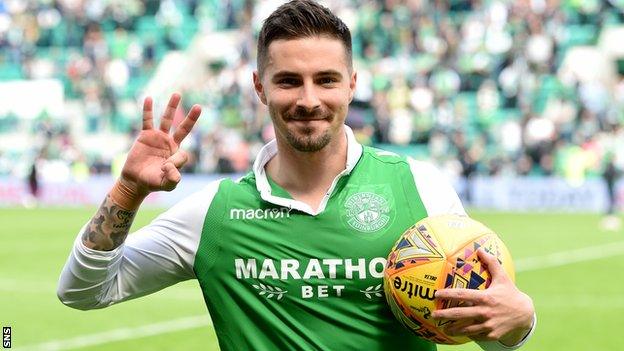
[155, 158]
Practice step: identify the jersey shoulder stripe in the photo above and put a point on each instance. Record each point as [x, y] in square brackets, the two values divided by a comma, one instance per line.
[435, 189]
[383, 155]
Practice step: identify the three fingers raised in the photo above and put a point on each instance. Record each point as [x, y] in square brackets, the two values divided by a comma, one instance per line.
[167, 118]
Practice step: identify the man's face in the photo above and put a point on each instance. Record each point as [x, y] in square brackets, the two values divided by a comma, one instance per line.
[307, 85]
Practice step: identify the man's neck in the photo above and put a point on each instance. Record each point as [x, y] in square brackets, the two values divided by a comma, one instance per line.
[307, 176]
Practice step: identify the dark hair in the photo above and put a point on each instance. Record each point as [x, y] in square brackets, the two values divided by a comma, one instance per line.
[301, 19]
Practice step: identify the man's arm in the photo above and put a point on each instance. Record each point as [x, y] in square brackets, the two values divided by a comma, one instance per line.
[154, 257]
[152, 164]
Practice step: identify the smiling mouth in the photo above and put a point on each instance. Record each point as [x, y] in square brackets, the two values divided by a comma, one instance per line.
[303, 115]
[307, 119]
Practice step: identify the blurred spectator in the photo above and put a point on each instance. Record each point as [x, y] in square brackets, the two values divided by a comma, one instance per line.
[33, 184]
[610, 174]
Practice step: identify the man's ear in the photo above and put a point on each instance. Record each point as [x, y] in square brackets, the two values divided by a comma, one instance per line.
[259, 87]
[352, 84]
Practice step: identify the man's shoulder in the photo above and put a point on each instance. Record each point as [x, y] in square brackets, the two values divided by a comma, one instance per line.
[378, 157]
[222, 186]
[245, 182]
[244, 185]
[383, 156]
[217, 194]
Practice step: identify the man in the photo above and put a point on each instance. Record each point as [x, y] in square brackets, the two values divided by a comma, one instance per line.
[610, 174]
[284, 255]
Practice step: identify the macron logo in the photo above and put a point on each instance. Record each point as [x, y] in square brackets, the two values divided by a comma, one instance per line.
[267, 213]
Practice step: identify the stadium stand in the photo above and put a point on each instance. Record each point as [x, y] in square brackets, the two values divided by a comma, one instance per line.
[489, 87]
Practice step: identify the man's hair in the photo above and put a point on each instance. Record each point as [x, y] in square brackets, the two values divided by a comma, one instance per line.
[301, 19]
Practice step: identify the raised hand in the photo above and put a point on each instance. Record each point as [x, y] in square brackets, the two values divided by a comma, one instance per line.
[153, 164]
[155, 158]
[500, 312]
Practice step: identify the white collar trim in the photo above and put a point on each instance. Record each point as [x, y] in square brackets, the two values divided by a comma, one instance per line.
[354, 152]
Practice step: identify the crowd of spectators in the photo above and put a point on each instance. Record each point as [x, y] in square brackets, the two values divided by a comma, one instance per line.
[474, 85]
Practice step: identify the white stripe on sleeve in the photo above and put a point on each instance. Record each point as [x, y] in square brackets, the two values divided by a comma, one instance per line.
[435, 190]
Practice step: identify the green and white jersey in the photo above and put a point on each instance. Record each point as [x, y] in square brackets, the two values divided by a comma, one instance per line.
[275, 274]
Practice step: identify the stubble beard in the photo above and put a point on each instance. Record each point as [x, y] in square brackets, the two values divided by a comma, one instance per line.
[308, 143]
[304, 140]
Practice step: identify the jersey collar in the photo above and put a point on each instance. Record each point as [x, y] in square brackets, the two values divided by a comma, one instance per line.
[354, 152]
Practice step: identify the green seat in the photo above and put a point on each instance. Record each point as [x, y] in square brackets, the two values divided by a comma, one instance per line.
[148, 29]
[10, 71]
[467, 102]
[580, 34]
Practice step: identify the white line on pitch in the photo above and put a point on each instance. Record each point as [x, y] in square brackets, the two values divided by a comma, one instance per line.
[120, 334]
[568, 257]
[26, 286]
[578, 300]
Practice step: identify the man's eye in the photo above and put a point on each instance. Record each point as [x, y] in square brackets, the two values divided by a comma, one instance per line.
[287, 81]
[327, 80]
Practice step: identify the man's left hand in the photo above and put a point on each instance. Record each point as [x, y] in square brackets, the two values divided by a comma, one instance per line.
[500, 312]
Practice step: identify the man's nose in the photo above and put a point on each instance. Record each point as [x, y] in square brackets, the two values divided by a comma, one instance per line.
[308, 98]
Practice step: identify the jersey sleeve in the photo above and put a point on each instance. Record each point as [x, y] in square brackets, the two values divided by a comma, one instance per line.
[154, 257]
[435, 190]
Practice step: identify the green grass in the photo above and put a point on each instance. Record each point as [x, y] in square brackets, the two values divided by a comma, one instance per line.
[579, 305]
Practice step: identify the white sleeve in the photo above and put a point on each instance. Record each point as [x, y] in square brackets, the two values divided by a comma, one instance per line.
[434, 189]
[154, 257]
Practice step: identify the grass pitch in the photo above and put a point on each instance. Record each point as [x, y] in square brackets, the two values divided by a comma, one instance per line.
[560, 259]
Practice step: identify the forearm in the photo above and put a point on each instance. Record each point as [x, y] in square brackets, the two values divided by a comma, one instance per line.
[103, 267]
[111, 224]
[157, 255]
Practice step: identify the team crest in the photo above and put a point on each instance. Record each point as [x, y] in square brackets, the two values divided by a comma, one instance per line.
[367, 212]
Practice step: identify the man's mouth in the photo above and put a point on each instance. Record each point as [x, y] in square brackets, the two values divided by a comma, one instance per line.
[307, 119]
[307, 116]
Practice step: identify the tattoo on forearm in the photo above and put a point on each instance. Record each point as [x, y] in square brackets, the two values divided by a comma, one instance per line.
[108, 227]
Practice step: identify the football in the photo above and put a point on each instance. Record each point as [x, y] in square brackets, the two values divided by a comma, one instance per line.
[436, 253]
